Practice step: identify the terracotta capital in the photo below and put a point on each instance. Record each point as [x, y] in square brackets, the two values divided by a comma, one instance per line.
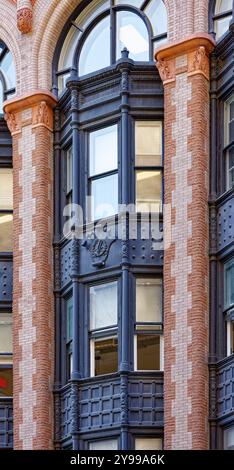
[34, 109]
[25, 15]
[190, 55]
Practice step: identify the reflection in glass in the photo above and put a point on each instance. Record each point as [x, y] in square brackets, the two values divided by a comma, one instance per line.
[132, 34]
[229, 283]
[6, 237]
[222, 25]
[148, 190]
[148, 300]
[103, 305]
[223, 5]
[104, 192]
[6, 381]
[148, 143]
[95, 53]
[103, 150]
[108, 444]
[68, 49]
[106, 356]
[157, 13]
[8, 68]
[231, 168]
[228, 437]
[6, 189]
[148, 443]
[148, 352]
[5, 333]
[1, 97]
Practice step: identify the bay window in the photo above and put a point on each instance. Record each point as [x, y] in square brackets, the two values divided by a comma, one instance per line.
[111, 146]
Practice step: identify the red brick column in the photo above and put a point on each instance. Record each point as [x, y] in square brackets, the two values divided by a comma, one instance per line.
[30, 120]
[184, 69]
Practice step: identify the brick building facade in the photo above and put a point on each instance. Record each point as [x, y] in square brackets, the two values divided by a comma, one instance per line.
[117, 344]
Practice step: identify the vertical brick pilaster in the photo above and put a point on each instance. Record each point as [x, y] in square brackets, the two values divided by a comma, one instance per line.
[30, 122]
[184, 68]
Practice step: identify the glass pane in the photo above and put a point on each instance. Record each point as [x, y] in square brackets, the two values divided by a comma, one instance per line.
[1, 97]
[6, 189]
[231, 131]
[6, 235]
[158, 43]
[105, 197]
[157, 14]
[148, 352]
[228, 436]
[69, 169]
[223, 5]
[5, 333]
[148, 443]
[6, 381]
[69, 312]
[148, 143]
[68, 49]
[148, 191]
[132, 34]
[95, 53]
[232, 110]
[134, 3]
[103, 305]
[229, 283]
[232, 337]
[103, 150]
[230, 168]
[62, 82]
[221, 26]
[106, 356]
[148, 300]
[7, 65]
[110, 444]
[93, 9]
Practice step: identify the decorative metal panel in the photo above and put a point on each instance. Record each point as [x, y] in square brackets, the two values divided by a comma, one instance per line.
[6, 279]
[65, 260]
[66, 413]
[225, 388]
[99, 405]
[225, 223]
[6, 424]
[146, 402]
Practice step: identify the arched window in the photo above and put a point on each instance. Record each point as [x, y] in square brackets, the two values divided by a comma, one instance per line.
[7, 75]
[109, 162]
[104, 27]
[222, 15]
